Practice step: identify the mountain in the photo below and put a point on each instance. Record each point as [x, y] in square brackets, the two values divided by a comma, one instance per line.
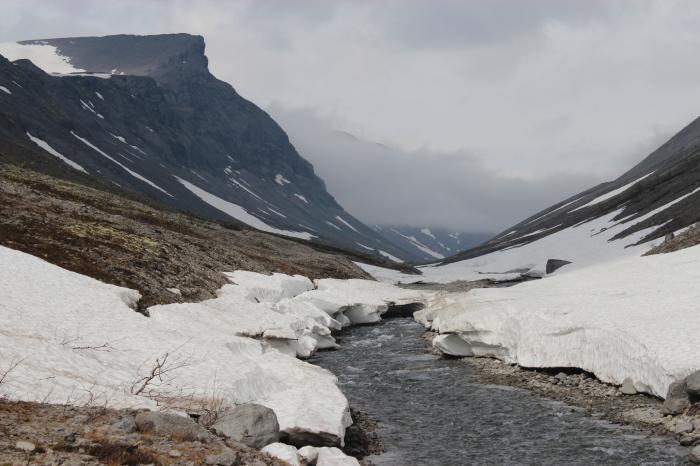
[430, 244]
[145, 113]
[628, 216]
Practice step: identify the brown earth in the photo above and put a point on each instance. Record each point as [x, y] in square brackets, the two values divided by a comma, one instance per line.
[689, 238]
[125, 242]
[71, 435]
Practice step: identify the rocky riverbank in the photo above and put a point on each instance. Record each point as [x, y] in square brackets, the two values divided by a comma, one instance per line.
[596, 399]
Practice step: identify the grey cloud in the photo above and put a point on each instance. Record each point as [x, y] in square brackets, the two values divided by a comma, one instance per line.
[385, 185]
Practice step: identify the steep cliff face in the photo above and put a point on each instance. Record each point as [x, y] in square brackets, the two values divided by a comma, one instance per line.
[145, 113]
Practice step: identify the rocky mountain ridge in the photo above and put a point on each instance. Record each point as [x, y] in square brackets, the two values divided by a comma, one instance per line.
[145, 113]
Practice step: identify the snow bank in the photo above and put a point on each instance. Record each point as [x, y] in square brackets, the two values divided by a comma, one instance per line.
[634, 317]
[79, 341]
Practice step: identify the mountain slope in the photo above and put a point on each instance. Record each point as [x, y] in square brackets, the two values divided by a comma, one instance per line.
[430, 244]
[659, 195]
[148, 116]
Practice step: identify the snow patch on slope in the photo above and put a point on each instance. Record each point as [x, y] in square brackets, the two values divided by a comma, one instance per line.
[44, 145]
[611, 194]
[128, 170]
[44, 56]
[238, 212]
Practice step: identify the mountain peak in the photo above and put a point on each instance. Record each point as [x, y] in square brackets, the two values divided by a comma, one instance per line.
[161, 57]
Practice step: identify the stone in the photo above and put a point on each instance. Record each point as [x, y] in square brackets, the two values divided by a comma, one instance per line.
[627, 387]
[25, 446]
[308, 454]
[172, 425]
[694, 455]
[251, 424]
[683, 428]
[286, 453]
[687, 440]
[692, 384]
[560, 376]
[175, 453]
[331, 456]
[555, 264]
[227, 457]
[676, 401]
[124, 425]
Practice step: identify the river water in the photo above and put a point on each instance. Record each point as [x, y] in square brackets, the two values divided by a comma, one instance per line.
[432, 413]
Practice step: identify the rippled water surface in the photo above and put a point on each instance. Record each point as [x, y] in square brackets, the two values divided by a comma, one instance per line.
[432, 412]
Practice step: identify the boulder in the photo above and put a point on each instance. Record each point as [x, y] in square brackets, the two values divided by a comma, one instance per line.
[676, 401]
[331, 456]
[627, 387]
[286, 453]
[554, 264]
[251, 424]
[692, 384]
[172, 425]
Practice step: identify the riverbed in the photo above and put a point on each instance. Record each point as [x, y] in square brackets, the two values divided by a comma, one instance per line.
[432, 412]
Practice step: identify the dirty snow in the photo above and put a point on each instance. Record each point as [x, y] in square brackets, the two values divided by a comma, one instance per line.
[44, 145]
[238, 212]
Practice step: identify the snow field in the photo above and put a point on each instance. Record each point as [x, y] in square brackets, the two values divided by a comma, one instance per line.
[71, 339]
[629, 318]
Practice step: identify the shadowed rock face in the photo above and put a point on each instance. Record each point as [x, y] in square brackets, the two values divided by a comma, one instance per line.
[167, 117]
[670, 173]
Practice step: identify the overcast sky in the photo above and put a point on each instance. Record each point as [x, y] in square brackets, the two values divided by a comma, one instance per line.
[467, 114]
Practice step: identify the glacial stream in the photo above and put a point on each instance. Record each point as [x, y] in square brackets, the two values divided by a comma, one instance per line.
[433, 414]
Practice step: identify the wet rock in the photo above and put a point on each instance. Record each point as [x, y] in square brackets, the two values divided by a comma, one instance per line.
[694, 455]
[251, 424]
[286, 453]
[180, 427]
[692, 384]
[676, 401]
[25, 446]
[227, 457]
[688, 440]
[627, 387]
